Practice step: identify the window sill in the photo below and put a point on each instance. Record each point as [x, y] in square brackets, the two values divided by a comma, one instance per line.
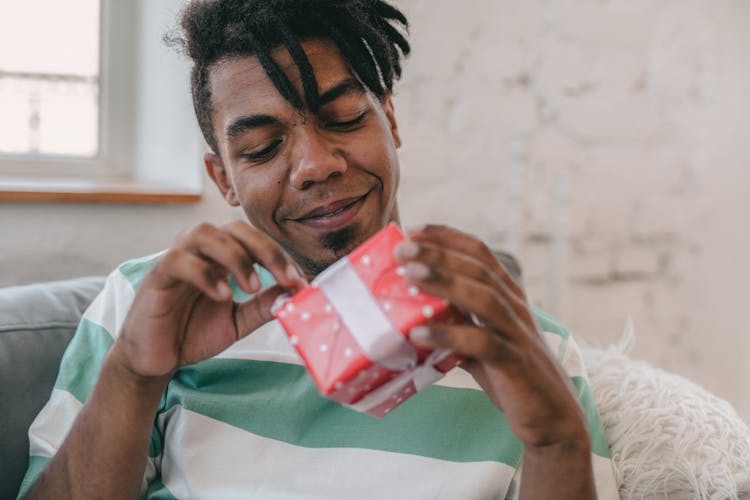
[38, 190]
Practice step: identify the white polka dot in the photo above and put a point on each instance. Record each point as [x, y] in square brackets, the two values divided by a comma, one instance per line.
[328, 308]
[401, 270]
[387, 306]
[305, 315]
[338, 385]
[336, 326]
[323, 347]
[413, 290]
[428, 311]
[366, 260]
[399, 399]
[387, 410]
[367, 387]
[348, 352]
[290, 307]
[282, 313]
[294, 340]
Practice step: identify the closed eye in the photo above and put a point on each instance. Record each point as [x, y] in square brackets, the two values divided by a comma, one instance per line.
[346, 125]
[265, 153]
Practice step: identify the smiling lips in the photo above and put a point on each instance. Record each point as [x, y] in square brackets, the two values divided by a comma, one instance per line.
[333, 215]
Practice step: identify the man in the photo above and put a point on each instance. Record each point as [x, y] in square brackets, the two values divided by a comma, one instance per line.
[178, 384]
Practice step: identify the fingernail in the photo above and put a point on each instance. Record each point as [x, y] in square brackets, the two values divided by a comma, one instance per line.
[416, 270]
[406, 250]
[292, 273]
[414, 228]
[223, 289]
[300, 271]
[254, 282]
[420, 334]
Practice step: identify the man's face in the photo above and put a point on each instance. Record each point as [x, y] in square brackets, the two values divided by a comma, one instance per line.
[318, 186]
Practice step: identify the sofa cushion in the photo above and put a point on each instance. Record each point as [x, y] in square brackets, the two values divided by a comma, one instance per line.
[669, 437]
[36, 324]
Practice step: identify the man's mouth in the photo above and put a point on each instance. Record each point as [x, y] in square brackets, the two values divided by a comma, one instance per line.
[333, 215]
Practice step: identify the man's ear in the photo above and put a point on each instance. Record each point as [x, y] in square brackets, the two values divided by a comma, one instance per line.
[391, 115]
[218, 174]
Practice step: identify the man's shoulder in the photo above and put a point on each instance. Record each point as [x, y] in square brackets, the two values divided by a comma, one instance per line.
[135, 269]
[556, 336]
[549, 324]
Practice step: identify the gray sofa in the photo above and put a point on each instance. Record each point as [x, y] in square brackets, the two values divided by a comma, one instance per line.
[36, 324]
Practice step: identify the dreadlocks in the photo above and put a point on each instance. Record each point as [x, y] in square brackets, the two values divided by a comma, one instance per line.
[368, 33]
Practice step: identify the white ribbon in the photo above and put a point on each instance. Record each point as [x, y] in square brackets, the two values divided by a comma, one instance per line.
[421, 376]
[368, 324]
[425, 375]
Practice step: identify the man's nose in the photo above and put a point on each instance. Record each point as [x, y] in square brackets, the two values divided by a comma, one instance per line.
[315, 160]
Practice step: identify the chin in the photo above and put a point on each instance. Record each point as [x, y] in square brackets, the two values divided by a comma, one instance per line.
[344, 240]
[334, 245]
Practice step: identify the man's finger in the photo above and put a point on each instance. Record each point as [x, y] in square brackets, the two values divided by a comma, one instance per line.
[451, 261]
[182, 266]
[256, 311]
[269, 254]
[465, 340]
[223, 249]
[492, 307]
[461, 242]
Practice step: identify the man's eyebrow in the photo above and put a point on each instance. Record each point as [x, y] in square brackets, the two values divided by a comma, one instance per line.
[345, 87]
[245, 123]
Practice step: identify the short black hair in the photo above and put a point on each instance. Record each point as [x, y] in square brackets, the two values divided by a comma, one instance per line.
[370, 35]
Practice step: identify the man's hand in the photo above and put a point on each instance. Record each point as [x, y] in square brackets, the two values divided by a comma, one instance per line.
[183, 311]
[506, 354]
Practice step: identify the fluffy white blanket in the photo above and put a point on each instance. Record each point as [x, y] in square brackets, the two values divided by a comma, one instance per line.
[669, 437]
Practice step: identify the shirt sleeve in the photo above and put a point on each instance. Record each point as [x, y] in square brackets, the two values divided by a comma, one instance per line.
[79, 370]
[563, 345]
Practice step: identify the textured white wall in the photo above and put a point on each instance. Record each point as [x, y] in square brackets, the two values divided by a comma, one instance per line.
[604, 142]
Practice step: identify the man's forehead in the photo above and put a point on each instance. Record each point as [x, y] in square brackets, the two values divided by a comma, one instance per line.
[246, 73]
[235, 77]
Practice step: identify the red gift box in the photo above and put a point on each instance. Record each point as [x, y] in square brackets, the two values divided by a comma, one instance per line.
[351, 326]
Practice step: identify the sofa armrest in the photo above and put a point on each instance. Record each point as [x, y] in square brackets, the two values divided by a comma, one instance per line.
[36, 324]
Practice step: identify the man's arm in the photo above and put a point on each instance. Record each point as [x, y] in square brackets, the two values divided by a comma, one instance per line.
[561, 470]
[104, 454]
[507, 356]
[182, 313]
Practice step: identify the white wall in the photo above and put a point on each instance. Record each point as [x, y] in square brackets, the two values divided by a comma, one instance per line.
[604, 142]
[607, 144]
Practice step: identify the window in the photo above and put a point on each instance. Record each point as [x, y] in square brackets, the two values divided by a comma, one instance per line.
[95, 107]
[49, 85]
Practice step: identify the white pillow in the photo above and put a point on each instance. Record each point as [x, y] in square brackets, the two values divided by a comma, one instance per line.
[669, 437]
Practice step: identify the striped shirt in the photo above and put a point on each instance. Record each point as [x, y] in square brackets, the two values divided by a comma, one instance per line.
[249, 423]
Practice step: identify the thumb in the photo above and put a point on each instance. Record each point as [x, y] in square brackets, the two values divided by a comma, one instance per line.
[255, 312]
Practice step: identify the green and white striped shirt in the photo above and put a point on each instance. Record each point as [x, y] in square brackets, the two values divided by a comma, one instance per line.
[249, 423]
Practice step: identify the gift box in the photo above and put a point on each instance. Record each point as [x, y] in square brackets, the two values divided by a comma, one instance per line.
[350, 326]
